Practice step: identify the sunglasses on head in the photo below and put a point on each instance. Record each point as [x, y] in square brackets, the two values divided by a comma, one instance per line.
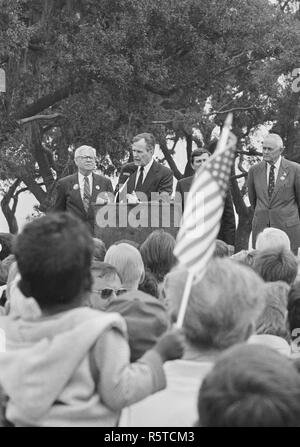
[107, 292]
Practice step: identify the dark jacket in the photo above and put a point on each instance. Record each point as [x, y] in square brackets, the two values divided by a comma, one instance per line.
[227, 229]
[159, 179]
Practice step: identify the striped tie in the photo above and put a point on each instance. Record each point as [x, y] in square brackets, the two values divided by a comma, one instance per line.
[271, 181]
[86, 193]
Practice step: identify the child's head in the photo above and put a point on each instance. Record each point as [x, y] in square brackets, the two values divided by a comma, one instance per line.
[250, 386]
[54, 254]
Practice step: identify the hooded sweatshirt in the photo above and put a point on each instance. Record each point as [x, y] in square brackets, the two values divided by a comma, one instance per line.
[46, 369]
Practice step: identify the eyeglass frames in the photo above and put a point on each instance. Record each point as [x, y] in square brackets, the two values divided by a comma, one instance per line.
[107, 292]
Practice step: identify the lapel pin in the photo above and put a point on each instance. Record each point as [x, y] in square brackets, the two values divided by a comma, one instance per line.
[283, 176]
[76, 186]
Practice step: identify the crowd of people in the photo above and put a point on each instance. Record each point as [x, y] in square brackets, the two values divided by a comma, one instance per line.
[88, 332]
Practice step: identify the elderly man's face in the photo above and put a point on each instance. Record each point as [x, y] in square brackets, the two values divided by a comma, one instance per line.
[85, 161]
[141, 155]
[271, 150]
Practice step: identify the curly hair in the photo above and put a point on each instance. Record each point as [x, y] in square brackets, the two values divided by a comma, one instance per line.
[54, 255]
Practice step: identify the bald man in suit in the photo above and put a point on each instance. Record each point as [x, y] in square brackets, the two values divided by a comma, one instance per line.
[274, 192]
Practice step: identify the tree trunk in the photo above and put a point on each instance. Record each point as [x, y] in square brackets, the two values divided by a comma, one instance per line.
[245, 215]
[188, 171]
[34, 188]
[169, 158]
[40, 155]
[10, 213]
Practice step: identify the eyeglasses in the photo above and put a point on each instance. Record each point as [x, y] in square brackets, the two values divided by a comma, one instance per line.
[107, 292]
[86, 157]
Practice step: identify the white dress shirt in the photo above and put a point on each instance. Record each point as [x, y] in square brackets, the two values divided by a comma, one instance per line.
[81, 183]
[276, 170]
[146, 170]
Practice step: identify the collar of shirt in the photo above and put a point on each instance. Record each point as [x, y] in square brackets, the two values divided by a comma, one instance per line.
[146, 170]
[81, 182]
[277, 165]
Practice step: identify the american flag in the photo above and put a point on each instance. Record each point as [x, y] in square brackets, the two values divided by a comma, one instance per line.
[201, 219]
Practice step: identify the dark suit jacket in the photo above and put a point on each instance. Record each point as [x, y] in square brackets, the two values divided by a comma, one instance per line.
[159, 179]
[282, 209]
[227, 229]
[68, 197]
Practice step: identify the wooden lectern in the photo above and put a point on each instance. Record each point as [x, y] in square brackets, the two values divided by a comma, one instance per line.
[116, 221]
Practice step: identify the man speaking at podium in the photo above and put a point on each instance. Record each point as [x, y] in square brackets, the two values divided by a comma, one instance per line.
[144, 175]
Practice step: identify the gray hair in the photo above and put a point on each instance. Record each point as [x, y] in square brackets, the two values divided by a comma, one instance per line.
[272, 238]
[149, 139]
[79, 150]
[222, 307]
[128, 262]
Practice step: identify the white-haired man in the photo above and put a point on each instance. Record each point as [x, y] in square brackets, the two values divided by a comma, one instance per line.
[274, 192]
[76, 192]
[272, 238]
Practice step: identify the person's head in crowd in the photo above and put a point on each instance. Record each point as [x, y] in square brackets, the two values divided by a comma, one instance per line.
[150, 284]
[221, 249]
[5, 265]
[157, 253]
[146, 319]
[222, 307]
[198, 158]
[271, 238]
[293, 315]
[99, 250]
[143, 146]
[250, 386]
[272, 320]
[245, 257]
[129, 264]
[276, 265]
[127, 241]
[54, 255]
[106, 285]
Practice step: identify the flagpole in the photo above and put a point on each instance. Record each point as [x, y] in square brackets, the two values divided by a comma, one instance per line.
[222, 147]
[185, 299]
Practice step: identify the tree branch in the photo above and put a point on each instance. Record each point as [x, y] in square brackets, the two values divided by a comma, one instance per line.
[39, 117]
[49, 100]
[162, 122]
[234, 109]
[236, 176]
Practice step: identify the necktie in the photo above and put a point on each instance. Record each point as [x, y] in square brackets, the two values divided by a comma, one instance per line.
[271, 181]
[140, 179]
[86, 193]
